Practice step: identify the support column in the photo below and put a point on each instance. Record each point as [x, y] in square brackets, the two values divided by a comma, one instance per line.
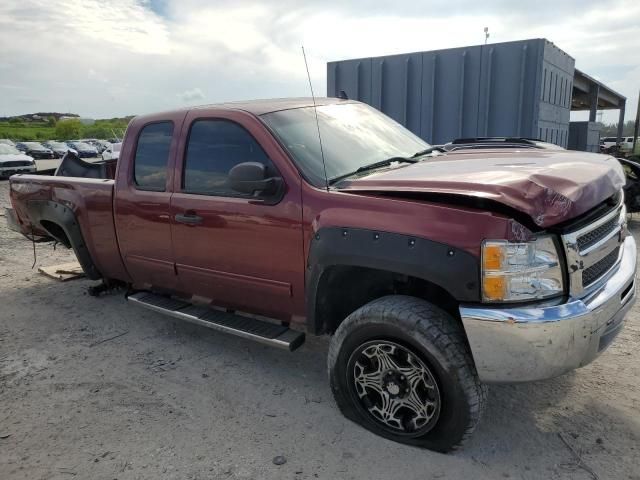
[620, 122]
[593, 102]
[636, 127]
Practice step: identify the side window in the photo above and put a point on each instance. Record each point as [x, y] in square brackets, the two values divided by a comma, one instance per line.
[152, 154]
[213, 149]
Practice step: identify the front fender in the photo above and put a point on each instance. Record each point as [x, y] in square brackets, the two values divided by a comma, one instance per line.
[454, 270]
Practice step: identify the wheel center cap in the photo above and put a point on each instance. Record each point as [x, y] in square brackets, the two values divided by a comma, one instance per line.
[393, 388]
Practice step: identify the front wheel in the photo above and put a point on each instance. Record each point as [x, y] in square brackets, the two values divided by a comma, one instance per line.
[400, 367]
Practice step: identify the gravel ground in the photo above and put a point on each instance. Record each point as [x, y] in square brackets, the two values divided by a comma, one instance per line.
[98, 389]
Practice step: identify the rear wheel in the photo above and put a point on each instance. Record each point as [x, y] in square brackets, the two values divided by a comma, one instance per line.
[400, 367]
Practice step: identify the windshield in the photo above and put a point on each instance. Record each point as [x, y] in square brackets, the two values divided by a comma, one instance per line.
[8, 150]
[353, 135]
[34, 145]
[58, 145]
[82, 146]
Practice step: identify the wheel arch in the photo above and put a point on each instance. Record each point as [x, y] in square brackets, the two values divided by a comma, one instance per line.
[60, 222]
[348, 268]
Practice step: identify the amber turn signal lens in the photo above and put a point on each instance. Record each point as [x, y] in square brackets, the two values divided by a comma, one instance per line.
[492, 256]
[494, 288]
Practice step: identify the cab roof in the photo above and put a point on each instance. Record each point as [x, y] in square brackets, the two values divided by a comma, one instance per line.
[255, 107]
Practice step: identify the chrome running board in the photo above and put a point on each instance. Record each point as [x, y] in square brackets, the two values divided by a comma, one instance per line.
[246, 327]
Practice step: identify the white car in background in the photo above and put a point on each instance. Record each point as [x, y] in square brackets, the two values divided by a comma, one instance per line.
[626, 144]
[112, 152]
[607, 142]
[13, 161]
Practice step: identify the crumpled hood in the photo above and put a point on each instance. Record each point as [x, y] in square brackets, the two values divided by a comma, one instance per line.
[551, 186]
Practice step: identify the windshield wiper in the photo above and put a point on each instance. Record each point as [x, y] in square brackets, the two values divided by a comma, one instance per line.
[427, 151]
[373, 166]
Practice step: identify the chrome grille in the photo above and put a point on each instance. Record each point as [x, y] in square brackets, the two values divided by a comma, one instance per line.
[598, 269]
[592, 251]
[594, 236]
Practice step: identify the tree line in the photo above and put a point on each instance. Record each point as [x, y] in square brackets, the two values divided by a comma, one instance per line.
[611, 129]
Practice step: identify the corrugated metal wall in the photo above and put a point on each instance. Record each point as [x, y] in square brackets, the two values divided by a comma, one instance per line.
[506, 89]
[556, 88]
[584, 136]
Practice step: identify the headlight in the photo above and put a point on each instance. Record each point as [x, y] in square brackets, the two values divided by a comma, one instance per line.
[514, 272]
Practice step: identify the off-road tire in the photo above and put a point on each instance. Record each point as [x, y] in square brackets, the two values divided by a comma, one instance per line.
[438, 340]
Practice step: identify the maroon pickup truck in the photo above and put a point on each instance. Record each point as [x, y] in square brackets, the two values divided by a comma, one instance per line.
[436, 272]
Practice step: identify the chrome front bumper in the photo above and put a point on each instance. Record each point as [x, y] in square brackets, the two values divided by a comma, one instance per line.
[522, 344]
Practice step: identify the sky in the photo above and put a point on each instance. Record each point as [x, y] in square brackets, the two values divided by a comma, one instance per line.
[111, 58]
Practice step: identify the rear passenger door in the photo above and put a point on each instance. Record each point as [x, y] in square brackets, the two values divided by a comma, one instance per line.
[142, 201]
[236, 250]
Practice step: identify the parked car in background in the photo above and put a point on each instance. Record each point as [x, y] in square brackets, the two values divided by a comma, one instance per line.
[607, 142]
[112, 152]
[91, 141]
[13, 161]
[622, 149]
[35, 150]
[6, 141]
[101, 145]
[626, 145]
[58, 148]
[84, 149]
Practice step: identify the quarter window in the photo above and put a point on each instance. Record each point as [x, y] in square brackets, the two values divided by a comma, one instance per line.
[152, 154]
[213, 149]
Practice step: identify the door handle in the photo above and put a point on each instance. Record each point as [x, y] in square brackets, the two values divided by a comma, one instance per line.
[188, 218]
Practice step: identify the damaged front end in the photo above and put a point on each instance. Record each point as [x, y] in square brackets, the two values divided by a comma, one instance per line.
[514, 343]
[549, 187]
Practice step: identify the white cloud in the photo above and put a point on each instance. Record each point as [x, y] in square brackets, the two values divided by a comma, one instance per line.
[124, 23]
[191, 95]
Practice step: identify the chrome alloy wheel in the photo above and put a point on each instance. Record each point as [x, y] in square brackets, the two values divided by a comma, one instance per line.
[394, 387]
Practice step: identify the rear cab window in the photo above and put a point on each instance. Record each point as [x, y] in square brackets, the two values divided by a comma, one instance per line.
[152, 156]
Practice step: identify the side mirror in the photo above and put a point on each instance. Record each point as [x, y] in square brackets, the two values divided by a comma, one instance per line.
[251, 178]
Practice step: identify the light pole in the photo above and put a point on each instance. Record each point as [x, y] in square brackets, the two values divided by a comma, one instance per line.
[636, 127]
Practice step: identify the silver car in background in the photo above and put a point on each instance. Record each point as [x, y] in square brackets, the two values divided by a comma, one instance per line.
[112, 152]
[14, 161]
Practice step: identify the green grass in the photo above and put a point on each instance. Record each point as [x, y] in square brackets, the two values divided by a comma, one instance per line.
[41, 131]
[20, 131]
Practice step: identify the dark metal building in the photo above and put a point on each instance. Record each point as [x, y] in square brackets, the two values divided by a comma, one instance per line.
[525, 88]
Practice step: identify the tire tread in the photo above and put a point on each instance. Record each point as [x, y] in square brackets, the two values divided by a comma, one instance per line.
[440, 328]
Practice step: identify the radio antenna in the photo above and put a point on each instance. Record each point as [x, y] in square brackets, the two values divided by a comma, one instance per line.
[315, 111]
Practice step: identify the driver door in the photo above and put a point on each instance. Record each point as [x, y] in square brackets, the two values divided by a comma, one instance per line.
[235, 250]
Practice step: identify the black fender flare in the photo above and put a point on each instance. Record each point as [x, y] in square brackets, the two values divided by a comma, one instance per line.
[64, 217]
[454, 270]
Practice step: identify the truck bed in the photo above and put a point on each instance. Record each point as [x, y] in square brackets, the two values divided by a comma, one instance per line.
[87, 204]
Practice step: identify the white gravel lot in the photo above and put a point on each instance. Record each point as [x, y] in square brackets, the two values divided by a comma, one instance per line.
[169, 400]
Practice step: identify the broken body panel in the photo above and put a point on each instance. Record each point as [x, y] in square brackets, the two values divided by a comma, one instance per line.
[550, 186]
